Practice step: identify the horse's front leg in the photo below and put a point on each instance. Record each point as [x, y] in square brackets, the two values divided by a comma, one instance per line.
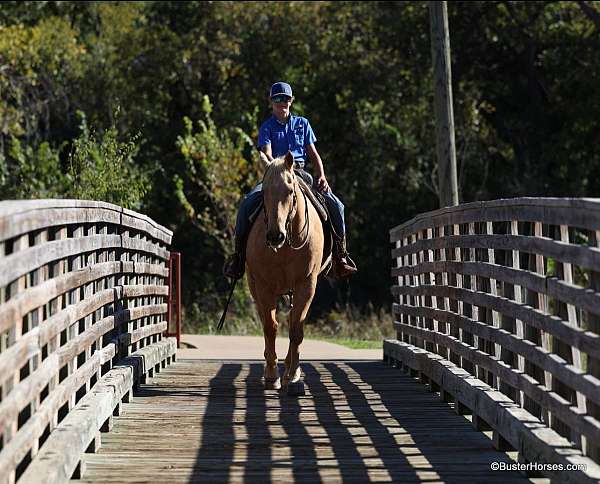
[271, 375]
[303, 296]
[266, 307]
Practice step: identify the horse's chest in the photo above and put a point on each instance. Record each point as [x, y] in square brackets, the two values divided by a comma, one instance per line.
[281, 272]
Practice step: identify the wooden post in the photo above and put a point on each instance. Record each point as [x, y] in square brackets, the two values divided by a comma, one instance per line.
[444, 116]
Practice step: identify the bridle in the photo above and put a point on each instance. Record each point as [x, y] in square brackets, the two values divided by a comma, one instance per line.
[290, 216]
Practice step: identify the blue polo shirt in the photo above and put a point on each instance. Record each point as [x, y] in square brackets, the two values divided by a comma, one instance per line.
[295, 136]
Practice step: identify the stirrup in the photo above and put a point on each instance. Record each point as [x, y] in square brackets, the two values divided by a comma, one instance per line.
[344, 269]
[350, 262]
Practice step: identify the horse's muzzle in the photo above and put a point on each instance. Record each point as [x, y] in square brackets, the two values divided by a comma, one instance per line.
[275, 239]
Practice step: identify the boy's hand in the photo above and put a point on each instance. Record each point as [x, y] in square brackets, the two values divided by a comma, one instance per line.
[322, 184]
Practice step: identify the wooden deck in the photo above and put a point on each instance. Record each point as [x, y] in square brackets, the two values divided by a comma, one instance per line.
[358, 422]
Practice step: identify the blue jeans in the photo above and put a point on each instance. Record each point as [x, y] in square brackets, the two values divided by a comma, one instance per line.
[253, 200]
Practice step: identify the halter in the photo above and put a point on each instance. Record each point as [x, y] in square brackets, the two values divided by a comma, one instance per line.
[291, 213]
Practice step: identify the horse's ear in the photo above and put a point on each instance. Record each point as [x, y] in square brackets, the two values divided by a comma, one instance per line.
[289, 160]
[265, 162]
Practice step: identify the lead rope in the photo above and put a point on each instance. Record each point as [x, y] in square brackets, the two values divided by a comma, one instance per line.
[222, 320]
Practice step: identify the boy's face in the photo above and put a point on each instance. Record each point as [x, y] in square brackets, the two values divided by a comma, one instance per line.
[281, 106]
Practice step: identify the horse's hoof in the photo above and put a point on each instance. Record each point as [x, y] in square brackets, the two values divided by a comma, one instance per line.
[272, 384]
[295, 389]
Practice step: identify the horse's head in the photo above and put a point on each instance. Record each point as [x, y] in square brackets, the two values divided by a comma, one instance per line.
[279, 197]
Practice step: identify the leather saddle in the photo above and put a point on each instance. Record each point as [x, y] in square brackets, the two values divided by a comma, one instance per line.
[318, 201]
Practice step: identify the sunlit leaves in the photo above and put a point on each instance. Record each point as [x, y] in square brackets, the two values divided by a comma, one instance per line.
[104, 168]
[215, 175]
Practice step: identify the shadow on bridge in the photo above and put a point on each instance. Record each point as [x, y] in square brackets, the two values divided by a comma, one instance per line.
[353, 425]
[358, 422]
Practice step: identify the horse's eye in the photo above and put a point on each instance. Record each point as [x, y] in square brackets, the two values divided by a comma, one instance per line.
[291, 191]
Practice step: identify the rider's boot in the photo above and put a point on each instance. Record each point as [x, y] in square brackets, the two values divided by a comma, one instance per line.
[343, 265]
[235, 266]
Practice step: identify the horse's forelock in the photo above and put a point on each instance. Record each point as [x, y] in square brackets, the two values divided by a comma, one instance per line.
[276, 170]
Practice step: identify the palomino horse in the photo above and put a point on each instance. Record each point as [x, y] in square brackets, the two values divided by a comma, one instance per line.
[284, 253]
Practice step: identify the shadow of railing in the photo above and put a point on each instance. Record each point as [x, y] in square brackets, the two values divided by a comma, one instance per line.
[215, 457]
[436, 442]
[358, 422]
[257, 468]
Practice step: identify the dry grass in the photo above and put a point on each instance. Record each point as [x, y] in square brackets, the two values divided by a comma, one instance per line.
[343, 325]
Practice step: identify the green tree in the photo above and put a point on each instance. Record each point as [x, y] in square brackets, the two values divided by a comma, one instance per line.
[526, 108]
[29, 172]
[215, 176]
[105, 168]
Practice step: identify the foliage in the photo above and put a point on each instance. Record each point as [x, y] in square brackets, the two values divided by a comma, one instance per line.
[215, 175]
[39, 64]
[29, 172]
[525, 78]
[105, 169]
[203, 315]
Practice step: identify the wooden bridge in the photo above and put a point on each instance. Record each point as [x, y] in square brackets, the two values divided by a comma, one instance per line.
[494, 375]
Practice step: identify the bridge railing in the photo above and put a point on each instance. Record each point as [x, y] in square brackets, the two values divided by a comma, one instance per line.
[497, 305]
[83, 303]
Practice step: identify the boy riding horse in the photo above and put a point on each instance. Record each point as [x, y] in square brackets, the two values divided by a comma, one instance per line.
[279, 134]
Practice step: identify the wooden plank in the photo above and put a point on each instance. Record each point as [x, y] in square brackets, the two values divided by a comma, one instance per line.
[566, 292]
[146, 331]
[21, 304]
[459, 283]
[512, 291]
[575, 212]
[137, 245]
[579, 380]
[150, 269]
[429, 279]
[20, 263]
[541, 300]
[586, 341]
[145, 290]
[28, 216]
[147, 225]
[19, 217]
[518, 298]
[526, 384]
[213, 422]
[62, 451]
[140, 312]
[571, 354]
[570, 253]
[17, 448]
[535, 443]
[594, 362]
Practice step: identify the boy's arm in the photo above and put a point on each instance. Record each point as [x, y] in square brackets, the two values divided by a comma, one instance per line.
[266, 149]
[320, 170]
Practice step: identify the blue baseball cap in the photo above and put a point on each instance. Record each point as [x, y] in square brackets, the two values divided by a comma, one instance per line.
[281, 89]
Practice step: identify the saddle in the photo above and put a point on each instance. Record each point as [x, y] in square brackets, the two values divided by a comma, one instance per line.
[318, 202]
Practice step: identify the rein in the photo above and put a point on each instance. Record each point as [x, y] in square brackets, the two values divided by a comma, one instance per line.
[291, 213]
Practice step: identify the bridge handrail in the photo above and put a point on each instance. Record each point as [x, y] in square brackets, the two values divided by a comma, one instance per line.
[507, 291]
[83, 289]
